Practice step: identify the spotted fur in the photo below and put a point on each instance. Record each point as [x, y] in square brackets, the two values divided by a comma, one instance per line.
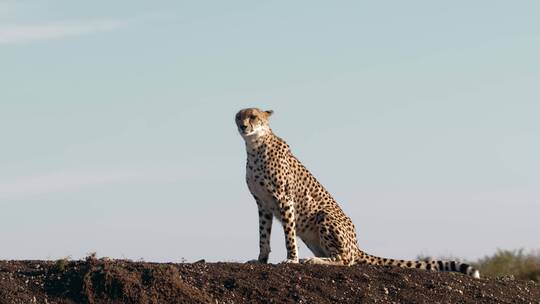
[285, 189]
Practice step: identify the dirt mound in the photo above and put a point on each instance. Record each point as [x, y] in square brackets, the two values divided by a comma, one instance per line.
[120, 281]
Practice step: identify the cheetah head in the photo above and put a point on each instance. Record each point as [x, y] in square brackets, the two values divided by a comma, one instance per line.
[252, 122]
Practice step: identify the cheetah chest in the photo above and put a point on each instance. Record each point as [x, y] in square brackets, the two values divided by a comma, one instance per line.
[261, 188]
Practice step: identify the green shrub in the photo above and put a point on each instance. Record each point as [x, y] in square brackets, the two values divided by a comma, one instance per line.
[511, 262]
[60, 265]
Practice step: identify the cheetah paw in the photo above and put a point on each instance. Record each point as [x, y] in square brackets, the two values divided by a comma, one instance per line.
[290, 261]
[254, 261]
[257, 261]
[321, 261]
[308, 261]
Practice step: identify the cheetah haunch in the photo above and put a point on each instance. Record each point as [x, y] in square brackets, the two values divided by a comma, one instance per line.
[284, 188]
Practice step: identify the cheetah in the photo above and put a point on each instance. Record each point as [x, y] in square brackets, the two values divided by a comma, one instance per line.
[283, 188]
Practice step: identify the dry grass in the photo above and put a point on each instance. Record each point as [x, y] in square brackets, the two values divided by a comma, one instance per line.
[524, 266]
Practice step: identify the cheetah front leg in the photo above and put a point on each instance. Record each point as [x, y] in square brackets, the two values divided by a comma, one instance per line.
[265, 229]
[288, 219]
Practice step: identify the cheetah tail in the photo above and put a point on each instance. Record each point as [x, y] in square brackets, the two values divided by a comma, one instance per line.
[452, 266]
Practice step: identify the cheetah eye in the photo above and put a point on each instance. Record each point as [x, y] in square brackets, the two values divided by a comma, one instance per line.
[253, 117]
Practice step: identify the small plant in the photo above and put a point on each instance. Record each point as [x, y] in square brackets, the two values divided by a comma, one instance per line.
[524, 266]
[60, 264]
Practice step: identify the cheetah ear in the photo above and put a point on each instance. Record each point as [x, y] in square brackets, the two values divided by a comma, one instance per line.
[269, 113]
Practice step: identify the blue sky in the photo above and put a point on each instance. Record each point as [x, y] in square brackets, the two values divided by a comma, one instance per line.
[421, 118]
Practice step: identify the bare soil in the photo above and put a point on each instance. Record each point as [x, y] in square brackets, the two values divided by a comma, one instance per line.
[121, 281]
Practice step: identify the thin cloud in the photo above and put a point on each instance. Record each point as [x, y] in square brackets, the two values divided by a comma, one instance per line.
[69, 181]
[8, 8]
[18, 33]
